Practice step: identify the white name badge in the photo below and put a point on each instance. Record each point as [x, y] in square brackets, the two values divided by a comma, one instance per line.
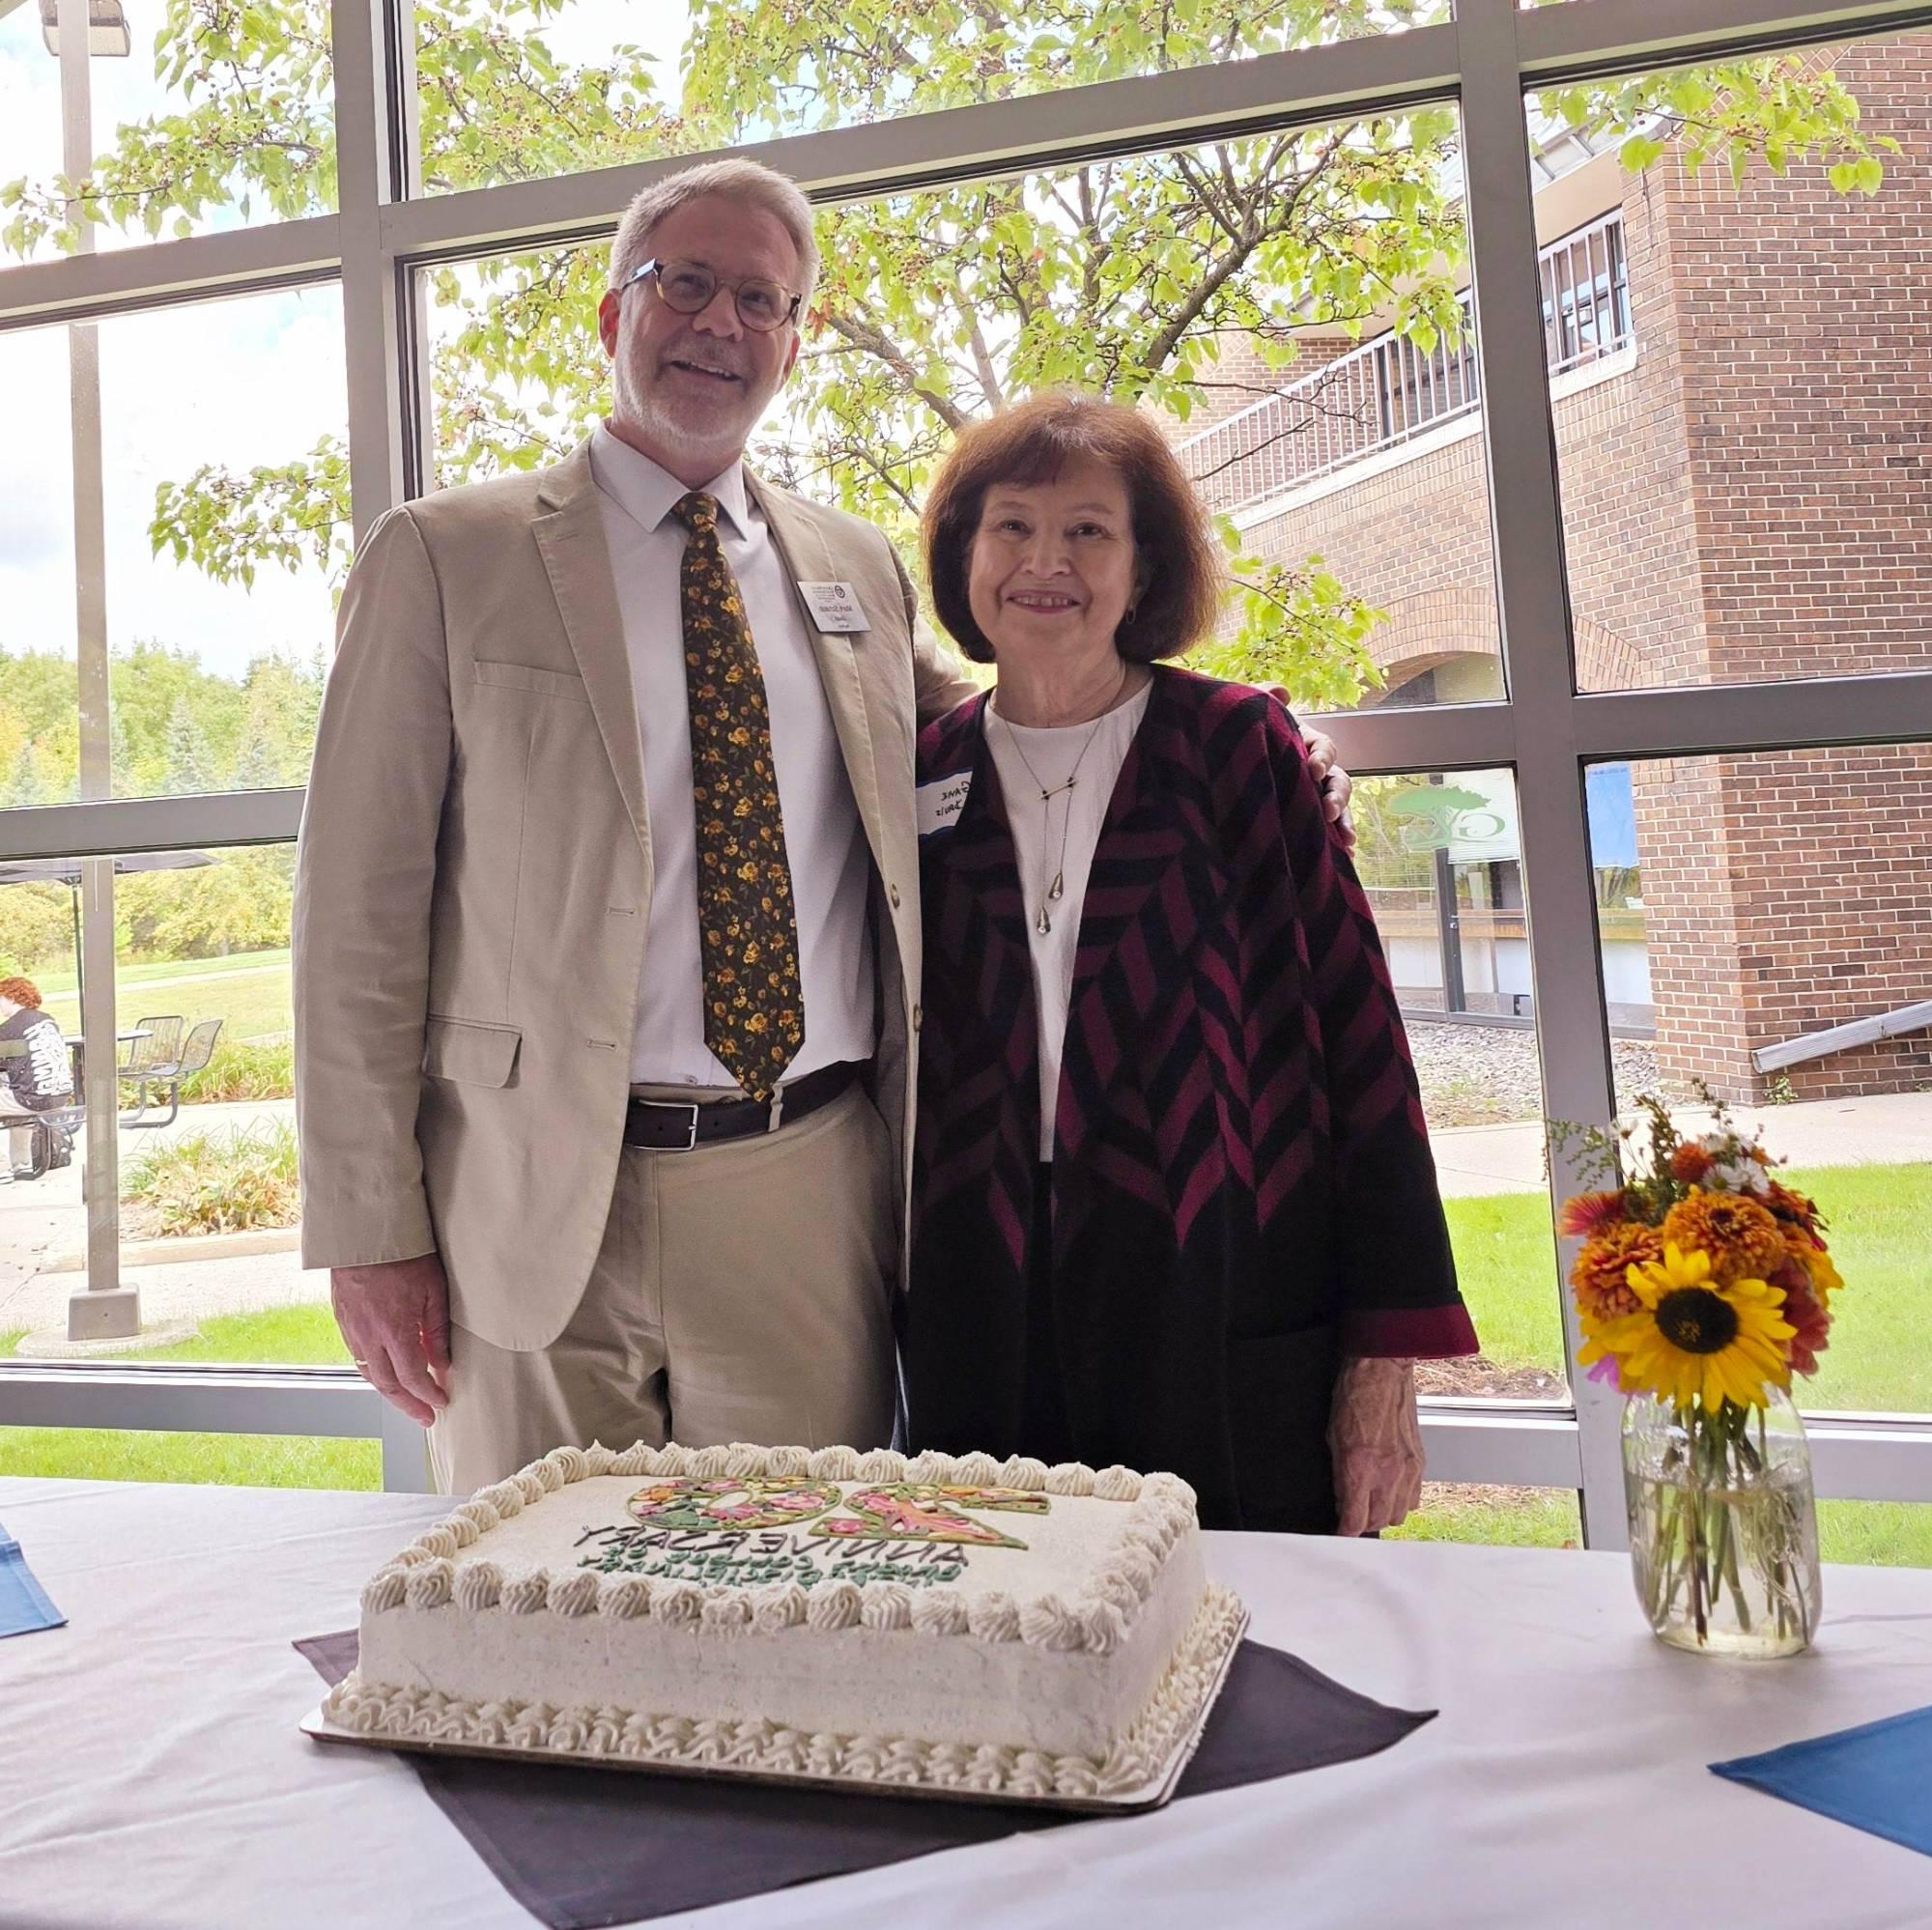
[940, 803]
[834, 607]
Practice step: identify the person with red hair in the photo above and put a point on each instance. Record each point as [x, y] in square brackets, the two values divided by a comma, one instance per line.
[34, 1076]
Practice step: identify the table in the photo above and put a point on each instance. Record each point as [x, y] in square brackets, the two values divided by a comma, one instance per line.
[151, 1775]
[76, 1046]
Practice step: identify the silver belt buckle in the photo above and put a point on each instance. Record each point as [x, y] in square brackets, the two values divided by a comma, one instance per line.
[676, 1106]
[777, 1111]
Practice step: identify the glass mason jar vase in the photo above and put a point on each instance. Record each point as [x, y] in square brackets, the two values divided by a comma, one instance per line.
[1723, 1528]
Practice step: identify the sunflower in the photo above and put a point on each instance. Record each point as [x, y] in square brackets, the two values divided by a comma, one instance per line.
[1695, 1337]
[1743, 1241]
[1598, 1275]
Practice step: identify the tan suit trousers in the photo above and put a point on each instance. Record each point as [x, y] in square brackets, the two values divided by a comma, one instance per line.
[742, 1294]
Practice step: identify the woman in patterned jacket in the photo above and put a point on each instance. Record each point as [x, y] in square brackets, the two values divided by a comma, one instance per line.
[1174, 1199]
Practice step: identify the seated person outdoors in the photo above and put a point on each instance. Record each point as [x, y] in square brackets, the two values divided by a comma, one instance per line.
[34, 1076]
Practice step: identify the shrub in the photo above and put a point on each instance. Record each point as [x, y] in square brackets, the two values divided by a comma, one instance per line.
[238, 1072]
[208, 1183]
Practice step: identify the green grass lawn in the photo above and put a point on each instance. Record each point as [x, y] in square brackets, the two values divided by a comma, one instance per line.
[249, 993]
[302, 1336]
[1879, 1225]
[1506, 1262]
[239, 1460]
[1878, 1534]
[51, 983]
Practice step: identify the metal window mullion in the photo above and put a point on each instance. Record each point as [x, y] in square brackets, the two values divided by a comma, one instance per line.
[1571, 1023]
[1558, 44]
[374, 328]
[220, 819]
[279, 254]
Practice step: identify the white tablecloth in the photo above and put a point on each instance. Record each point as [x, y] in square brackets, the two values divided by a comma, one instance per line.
[151, 1773]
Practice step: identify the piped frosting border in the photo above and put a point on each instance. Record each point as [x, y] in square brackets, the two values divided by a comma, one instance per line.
[424, 1575]
[1136, 1763]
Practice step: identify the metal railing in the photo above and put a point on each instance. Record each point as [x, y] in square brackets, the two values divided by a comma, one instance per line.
[1387, 391]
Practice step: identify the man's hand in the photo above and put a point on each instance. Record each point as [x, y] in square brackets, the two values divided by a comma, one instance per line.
[395, 1320]
[1337, 786]
[1375, 1443]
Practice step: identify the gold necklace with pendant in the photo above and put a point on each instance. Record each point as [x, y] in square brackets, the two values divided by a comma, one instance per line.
[1053, 892]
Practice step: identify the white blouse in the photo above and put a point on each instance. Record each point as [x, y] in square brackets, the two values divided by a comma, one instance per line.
[1057, 838]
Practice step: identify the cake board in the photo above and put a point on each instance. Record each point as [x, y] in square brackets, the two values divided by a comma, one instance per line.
[1152, 1794]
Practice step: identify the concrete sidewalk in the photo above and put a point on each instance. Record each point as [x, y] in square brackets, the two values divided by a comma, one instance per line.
[1891, 1130]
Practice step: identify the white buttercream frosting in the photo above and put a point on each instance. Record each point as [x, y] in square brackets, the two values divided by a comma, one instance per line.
[1140, 1759]
[1160, 1509]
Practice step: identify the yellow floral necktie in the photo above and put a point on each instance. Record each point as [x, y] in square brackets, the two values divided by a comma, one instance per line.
[747, 932]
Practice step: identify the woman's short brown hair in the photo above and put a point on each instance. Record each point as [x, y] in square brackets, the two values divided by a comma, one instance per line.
[1033, 442]
[22, 992]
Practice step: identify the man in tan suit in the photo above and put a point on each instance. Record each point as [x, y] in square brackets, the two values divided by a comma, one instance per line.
[606, 931]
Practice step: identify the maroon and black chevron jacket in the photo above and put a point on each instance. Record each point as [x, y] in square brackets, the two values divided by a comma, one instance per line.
[1241, 1183]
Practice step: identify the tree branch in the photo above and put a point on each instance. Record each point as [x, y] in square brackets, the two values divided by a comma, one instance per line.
[875, 341]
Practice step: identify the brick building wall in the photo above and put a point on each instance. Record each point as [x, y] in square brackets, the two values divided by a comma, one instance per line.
[1752, 500]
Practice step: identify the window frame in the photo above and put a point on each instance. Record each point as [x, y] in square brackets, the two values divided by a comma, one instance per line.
[1545, 732]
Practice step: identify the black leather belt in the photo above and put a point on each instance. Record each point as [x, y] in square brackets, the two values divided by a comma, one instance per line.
[674, 1125]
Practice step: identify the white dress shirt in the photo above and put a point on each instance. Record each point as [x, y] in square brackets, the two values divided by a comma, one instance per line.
[825, 843]
[1059, 837]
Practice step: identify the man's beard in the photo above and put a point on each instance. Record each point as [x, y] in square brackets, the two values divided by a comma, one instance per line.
[691, 425]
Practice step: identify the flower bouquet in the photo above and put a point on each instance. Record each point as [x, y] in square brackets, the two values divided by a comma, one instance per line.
[1702, 1286]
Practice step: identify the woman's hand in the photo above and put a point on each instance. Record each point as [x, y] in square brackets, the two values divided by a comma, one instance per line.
[1375, 1443]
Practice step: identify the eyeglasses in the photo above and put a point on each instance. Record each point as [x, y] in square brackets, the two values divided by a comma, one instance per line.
[689, 287]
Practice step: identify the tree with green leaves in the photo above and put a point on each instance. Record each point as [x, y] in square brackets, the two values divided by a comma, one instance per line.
[1129, 276]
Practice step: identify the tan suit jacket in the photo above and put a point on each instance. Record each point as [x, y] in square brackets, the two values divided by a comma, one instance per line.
[474, 870]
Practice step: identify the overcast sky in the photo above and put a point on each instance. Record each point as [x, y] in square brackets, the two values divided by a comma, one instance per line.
[245, 381]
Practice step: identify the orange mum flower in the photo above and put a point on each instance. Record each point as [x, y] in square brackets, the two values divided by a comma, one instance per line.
[1793, 1209]
[1805, 1310]
[1743, 1239]
[1603, 1294]
[1689, 1163]
[1588, 1213]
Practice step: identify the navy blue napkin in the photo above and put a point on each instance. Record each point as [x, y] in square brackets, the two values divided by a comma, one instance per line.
[1873, 1777]
[23, 1603]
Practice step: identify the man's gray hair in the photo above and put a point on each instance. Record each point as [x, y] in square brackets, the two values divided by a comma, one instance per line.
[756, 186]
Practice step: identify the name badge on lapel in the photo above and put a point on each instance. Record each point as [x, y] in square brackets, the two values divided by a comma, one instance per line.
[834, 607]
[938, 805]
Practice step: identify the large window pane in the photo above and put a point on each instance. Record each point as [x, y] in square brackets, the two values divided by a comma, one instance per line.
[1440, 857]
[223, 519]
[1785, 900]
[198, 118]
[939, 307]
[1739, 366]
[207, 1203]
[39, 711]
[512, 90]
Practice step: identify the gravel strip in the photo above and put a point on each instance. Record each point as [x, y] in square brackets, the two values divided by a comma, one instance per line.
[1487, 1075]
